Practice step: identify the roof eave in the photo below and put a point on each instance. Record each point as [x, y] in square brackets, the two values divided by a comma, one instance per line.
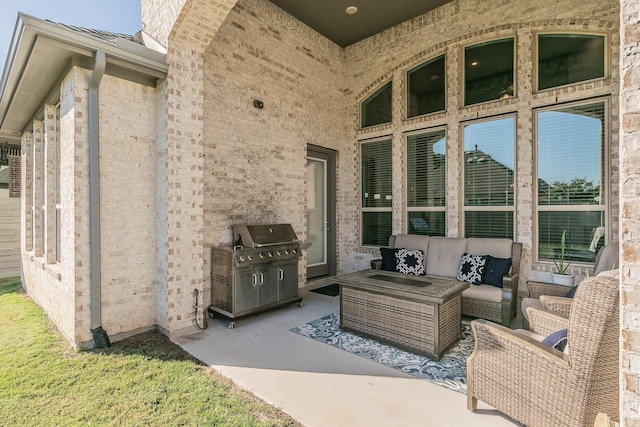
[123, 55]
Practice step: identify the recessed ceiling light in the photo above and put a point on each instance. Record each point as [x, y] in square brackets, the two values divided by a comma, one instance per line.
[351, 10]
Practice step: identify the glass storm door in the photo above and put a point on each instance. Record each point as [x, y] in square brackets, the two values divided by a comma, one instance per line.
[320, 214]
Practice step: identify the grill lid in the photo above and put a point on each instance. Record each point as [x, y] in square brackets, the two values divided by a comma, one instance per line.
[260, 235]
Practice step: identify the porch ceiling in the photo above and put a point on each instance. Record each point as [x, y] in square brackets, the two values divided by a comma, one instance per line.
[329, 17]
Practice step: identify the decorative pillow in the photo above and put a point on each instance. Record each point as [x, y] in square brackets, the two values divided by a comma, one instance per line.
[388, 259]
[471, 268]
[572, 292]
[495, 270]
[410, 261]
[557, 339]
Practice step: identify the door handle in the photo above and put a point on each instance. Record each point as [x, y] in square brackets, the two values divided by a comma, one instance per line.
[261, 279]
[281, 273]
[254, 279]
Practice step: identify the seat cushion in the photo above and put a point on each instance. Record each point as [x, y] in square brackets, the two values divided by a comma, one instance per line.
[443, 256]
[483, 293]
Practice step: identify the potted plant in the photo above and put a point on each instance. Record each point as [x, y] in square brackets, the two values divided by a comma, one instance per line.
[562, 277]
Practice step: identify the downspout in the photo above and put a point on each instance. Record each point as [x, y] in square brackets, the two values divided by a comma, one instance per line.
[100, 337]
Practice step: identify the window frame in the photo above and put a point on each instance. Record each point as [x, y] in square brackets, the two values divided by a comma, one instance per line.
[489, 208]
[369, 97]
[408, 86]
[463, 80]
[409, 209]
[606, 184]
[364, 209]
[536, 57]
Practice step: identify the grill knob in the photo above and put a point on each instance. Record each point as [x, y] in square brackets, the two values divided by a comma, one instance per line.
[270, 254]
[278, 253]
[241, 258]
[295, 251]
[261, 255]
[286, 251]
[250, 257]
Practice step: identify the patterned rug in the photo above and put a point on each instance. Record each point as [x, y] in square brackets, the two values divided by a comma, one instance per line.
[450, 372]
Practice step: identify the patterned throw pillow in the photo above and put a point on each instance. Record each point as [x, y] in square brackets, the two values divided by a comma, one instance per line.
[410, 261]
[471, 268]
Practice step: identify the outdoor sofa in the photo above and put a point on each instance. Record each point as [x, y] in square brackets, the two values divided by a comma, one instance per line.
[493, 294]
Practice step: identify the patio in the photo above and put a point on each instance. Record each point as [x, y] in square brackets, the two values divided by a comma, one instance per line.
[320, 385]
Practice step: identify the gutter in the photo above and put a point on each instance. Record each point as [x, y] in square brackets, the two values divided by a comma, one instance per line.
[100, 337]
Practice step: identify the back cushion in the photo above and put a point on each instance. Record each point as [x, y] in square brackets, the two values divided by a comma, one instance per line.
[499, 248]
[608, 259]
[444, 254]
[412, 241]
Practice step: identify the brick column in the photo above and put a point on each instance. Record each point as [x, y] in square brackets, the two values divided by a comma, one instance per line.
[26, 187]
[181, 262]
[630, 212]
[37, 176]
[49, 161]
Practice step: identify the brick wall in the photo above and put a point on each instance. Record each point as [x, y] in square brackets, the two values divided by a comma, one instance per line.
[127, 205]
[629, 209]
[254, 169]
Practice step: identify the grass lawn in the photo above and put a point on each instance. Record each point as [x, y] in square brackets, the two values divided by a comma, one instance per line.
[142, 381]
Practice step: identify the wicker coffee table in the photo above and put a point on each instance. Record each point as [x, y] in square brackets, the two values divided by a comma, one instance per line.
[420, 314]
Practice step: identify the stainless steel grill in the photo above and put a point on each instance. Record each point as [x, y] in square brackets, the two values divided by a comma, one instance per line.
[258, 273]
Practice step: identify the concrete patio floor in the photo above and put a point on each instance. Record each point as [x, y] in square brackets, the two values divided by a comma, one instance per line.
[320, 385]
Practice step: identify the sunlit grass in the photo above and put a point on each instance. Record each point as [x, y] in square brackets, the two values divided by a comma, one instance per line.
[143, 381]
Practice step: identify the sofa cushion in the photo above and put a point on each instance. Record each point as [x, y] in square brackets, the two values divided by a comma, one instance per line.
[410, 261]
[388, 259]
[495, 270]
[500, 248]
[487, 293]
[471, 268]
[412, 241]
[444, 254]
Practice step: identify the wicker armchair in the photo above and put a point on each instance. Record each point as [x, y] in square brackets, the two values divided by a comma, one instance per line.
[540, 386]
[552, 297]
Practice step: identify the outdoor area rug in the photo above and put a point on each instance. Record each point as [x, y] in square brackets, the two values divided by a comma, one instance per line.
[333, 290]
[450, 372]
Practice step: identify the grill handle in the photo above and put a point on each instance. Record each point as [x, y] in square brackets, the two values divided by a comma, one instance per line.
[254, 279]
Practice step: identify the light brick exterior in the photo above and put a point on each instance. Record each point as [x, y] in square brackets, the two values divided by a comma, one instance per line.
[389, 55]
[128, 135]
[182, 162]
[630, 213]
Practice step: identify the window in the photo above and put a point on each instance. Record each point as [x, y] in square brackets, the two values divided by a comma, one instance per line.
[426, 178]
[569, 58]
[571, 180]
[426, 88]
[489, 71]
[376, 192]
[376, 109]
[489, 165]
